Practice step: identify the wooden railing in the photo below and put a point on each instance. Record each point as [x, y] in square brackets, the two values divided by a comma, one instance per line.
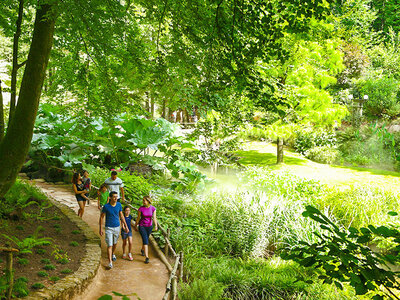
[172, 284]
[9, 269]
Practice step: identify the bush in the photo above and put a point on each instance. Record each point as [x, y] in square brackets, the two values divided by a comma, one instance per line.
[322, 154]
[309, 138]
[42, 274]
[382, 92]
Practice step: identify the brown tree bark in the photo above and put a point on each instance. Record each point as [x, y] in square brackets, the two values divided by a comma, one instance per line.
[15, 65]
[279, 151]
[15, 144]
[1, 114]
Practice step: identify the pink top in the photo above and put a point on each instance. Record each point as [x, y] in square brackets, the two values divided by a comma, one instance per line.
[146, 215]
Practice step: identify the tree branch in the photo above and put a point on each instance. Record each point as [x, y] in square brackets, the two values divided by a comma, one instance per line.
[15, 68]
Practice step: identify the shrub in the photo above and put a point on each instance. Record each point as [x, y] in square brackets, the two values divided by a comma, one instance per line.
[20, 288]
[75, 231]
[54, 278]
[63, 261]
[382, 92]
[322, 154]
[23, 261]
[19, 227]
[66, 271]
[42, 274]
[40, 251]
[310, 137]
[45, 261]
[49, 267]
[38, 286]
[207, 289]
[74, 244]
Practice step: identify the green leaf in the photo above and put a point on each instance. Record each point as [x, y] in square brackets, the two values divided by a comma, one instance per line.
[392, 213]
[105, 297]
[338, 285]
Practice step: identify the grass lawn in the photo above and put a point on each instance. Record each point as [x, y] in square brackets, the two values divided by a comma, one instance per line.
[264, 154]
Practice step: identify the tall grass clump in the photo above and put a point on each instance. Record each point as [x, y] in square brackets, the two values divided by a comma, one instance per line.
[360, 205]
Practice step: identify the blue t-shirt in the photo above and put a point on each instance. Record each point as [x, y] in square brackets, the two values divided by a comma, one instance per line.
[112, 214]
[128, 222]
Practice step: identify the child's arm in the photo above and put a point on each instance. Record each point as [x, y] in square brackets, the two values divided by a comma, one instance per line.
[98, 200]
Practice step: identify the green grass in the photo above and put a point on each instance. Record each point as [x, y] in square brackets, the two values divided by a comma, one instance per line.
[264, 155]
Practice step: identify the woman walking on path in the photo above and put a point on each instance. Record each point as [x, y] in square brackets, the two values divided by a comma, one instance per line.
[145, 218]
[87, 183]
[79, 189]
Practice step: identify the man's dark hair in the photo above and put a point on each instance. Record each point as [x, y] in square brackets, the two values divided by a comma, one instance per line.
[114, 173]
[112, 193]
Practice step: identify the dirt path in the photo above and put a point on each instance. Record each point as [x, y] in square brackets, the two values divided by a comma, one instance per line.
[132, 278]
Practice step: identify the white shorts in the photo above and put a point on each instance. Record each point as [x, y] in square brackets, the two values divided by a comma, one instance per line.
[112, 235]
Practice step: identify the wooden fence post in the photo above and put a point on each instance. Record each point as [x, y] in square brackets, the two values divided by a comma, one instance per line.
[166, 244]
[181, 267]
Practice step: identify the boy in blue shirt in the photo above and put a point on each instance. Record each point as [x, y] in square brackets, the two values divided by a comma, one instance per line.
[113, 213]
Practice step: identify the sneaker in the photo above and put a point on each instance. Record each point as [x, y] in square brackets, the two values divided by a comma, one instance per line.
[130, 257]
[114, 258]
[142, 252]
[147, 260]
[124, 256]
[110, 265]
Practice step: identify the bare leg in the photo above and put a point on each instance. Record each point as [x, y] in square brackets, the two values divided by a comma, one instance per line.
[81, 209]
[113, 248]
[129, 244]
[146, 250]
[109, 253]
[124, 247]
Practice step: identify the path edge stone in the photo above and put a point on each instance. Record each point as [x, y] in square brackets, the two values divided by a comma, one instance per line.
[74, 284]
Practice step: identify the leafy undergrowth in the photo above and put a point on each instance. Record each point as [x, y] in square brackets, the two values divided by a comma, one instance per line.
[42, 234]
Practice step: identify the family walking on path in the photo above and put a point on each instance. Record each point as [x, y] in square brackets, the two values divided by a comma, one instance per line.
[110, 194]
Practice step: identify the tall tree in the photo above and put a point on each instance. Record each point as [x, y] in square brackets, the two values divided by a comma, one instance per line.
[15, 144]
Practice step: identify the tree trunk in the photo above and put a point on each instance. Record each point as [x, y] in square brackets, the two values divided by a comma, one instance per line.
[15, 65]
[279, 151]
[1, 114]
[15, 144]
[152, 107]
[164, 106]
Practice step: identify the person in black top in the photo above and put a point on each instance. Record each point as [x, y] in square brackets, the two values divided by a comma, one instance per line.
[80, 191]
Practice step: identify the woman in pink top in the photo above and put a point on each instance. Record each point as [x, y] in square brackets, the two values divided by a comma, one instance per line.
[146, 215]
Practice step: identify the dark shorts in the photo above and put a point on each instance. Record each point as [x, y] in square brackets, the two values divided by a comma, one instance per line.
[125, 235]
[79, 197]
[145, 233]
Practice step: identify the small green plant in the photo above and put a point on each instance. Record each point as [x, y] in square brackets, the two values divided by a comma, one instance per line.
[76, 231]
[1, 260]
[49, 267]
[19, 227]
[40, 251]
[45, 261]
[54, 278]
[58, 230]
[20, 288]
[66, 271]
[56, 218]
[42, 274]
[63, 261]
[74, 244]
[60, 255]
[23, 261]
[25, 245]
[37, 286]
[57, 226]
